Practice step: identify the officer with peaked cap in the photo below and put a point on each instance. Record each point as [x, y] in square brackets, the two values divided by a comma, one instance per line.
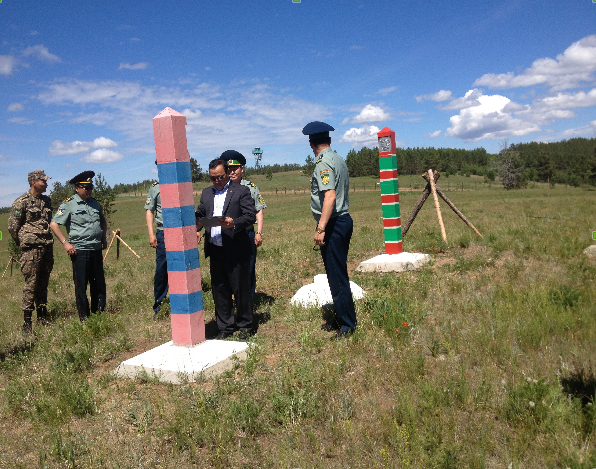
[236, 162]
[87, 229]
[329, 189]
[29, 226]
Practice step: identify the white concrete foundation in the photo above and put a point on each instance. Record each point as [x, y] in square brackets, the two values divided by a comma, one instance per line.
[174, 364]
[319, 293]
[394, 262]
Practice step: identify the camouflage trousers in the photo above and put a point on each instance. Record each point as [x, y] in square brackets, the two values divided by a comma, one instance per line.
[36, 265]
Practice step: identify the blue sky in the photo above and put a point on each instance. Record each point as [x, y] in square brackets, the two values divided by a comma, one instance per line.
[81, 81]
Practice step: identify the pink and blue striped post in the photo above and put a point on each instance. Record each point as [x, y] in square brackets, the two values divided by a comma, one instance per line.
[178, 210]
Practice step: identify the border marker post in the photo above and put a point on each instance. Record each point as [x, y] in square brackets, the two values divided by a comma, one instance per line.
[177, 202]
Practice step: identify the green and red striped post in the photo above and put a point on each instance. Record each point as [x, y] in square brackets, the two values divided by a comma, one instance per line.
[390, 192]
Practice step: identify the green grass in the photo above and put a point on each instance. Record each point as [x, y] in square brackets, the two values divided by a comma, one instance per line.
[485, 358]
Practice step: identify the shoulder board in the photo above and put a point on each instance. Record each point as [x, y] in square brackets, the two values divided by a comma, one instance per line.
[67, 200]
[319, 159]
[155, 183]
[252, 184]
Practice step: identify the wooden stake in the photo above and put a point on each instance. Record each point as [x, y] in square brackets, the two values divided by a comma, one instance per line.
[108, 250]
[454, 208]
[131, 250]
[10, 261]
[419, 203]
[436, 199]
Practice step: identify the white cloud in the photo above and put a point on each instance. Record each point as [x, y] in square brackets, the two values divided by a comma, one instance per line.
[139, 66]
[589, 129]
[15, 107]
[7, 64]
[574, 67]
[386, 91]
[58, 147]
[354, 47]
[41, 52]
[434, 134]
[365, 135]
[488, 120]
[242, 112]
[470, 99]
[208, 68]
[103, 155]
[442, 95]
[371, 113]
[21, 120]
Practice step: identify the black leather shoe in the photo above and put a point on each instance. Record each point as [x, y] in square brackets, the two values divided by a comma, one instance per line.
[243, 335]
[223, 335]
[342, 335]
[329, 326]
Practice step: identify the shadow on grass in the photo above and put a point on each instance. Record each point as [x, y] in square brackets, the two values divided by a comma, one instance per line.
[17, 349]
[581, 384]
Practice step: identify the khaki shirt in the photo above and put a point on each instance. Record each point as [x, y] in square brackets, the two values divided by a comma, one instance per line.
[82, 221]
[153, 203]
[255, 193]
[29, 220]
[330, 172]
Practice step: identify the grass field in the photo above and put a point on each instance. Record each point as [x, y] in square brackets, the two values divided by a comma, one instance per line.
[486, 358]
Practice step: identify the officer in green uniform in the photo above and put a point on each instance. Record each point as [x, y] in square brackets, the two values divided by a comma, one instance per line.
[87, 229]
[29, 226]
[236, 162]
[160, 281]
[329, 189]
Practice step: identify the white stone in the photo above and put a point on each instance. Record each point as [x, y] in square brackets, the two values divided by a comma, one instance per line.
[401, 262]
[319, 293]
[175, 364]
[590, 251]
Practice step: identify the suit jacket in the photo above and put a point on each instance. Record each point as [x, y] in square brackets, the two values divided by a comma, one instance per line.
[239, 206]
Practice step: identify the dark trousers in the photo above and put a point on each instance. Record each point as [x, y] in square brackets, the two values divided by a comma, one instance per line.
[160, 282]
[253, 261]
[87, 269]
[230, 276]
[338, 233]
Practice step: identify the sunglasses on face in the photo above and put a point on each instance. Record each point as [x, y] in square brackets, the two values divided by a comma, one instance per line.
[217, 178]
[87, 188]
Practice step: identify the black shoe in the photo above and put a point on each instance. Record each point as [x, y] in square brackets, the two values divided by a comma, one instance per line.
[27, 328]
[342, 334]
[244, 334]
[223, 335]
[329, 326]
[43, 321]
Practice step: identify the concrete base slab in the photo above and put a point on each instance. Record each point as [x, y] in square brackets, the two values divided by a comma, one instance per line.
[319, 293]
[401, 262]
[175, 364]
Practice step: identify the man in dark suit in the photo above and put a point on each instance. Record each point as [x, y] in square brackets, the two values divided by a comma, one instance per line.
[229, 247]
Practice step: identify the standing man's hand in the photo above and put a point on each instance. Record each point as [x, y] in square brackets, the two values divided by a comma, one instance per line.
[258, 239]
[199, 237]
[70, 249]
[227, 222]
[320, 239]
[153, 241]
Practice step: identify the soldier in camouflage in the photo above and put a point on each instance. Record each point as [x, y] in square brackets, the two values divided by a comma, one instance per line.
[29, 226]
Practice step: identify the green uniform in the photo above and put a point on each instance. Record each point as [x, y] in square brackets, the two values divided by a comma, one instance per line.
[82, 221]
[330, 172]
[255, 194]
[29, 226]
[153, 203]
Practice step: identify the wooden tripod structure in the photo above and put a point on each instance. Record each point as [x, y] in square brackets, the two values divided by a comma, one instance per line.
[431, 177]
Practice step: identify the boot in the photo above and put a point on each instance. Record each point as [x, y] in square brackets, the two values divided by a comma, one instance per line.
[28, 323]
[42, 315]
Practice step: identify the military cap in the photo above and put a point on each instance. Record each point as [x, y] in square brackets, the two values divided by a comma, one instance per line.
[233, 158]
[86, 177]
[37, 174]
[317, 129]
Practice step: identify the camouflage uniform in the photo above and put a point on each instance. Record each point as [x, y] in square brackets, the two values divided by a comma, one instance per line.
[29, 226]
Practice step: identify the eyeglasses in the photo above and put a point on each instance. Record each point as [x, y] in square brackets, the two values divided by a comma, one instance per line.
[87, 188]
[234, 168]
[217, 178]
